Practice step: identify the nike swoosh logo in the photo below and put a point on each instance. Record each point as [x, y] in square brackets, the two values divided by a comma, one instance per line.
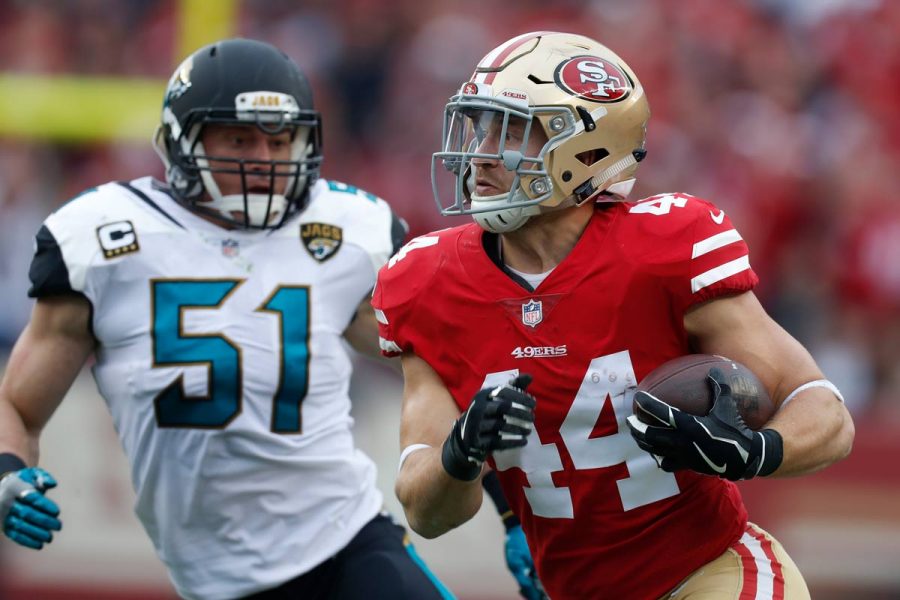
[711, 464]
[717, 219]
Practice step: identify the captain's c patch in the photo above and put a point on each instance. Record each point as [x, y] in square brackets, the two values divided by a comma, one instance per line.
[321, 240]
[117, 239]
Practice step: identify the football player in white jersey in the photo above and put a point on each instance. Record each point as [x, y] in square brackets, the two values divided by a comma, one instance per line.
[215, 307]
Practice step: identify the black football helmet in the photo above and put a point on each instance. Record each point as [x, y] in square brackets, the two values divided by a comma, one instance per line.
[240, 82]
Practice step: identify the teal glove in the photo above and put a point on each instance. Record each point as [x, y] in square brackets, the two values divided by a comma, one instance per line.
[518, 559]
[29, 517]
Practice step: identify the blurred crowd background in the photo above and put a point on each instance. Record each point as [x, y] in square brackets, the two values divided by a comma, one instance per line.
[784, 113]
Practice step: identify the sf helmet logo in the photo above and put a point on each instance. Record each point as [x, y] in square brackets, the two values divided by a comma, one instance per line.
[593, 78]
[470, 89]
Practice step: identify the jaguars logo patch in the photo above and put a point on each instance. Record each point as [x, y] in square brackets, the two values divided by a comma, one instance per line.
[321, 240]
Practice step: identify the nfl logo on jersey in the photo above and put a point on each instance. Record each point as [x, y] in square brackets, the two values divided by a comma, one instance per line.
[231, 248]
[532, 313]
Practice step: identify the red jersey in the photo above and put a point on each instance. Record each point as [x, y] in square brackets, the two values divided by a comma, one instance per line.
[602, 520]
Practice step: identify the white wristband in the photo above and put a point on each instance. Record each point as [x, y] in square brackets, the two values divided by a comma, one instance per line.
[409, 450]
[822, 383]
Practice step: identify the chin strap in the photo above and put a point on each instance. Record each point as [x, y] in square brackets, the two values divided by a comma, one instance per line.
[509, 219]
[601, 181]
[504, 220]
[620, 190]
[256, 207]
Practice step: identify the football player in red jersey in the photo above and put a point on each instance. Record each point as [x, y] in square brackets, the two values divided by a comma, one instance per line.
[529, 330]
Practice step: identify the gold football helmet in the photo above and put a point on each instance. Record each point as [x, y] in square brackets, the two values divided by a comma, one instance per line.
[587, 101]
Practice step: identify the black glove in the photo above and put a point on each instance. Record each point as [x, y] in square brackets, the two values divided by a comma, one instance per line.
[716, 444]
[497, 419]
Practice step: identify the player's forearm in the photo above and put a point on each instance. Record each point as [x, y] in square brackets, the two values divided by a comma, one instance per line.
[14, 437]
[44, 362]
[18, 433]
[817, 430]
[435, 502]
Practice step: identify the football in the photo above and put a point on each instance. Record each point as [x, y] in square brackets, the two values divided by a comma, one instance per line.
[682, 382]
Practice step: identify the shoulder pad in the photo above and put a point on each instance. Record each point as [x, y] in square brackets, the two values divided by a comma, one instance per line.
[410, 270]
[355, 216]
[102, 223]
[404, 280]
[691, 242]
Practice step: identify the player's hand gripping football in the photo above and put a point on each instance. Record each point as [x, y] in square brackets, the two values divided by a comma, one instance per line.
[29, 517]
[521, 565]
[498, 418]
[717, 444]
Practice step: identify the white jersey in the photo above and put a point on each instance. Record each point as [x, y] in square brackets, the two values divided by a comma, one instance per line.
[222, 364]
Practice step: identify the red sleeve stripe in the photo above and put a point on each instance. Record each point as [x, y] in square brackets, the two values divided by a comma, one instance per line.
[715, 242]
[719, 273]
[763, 578]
